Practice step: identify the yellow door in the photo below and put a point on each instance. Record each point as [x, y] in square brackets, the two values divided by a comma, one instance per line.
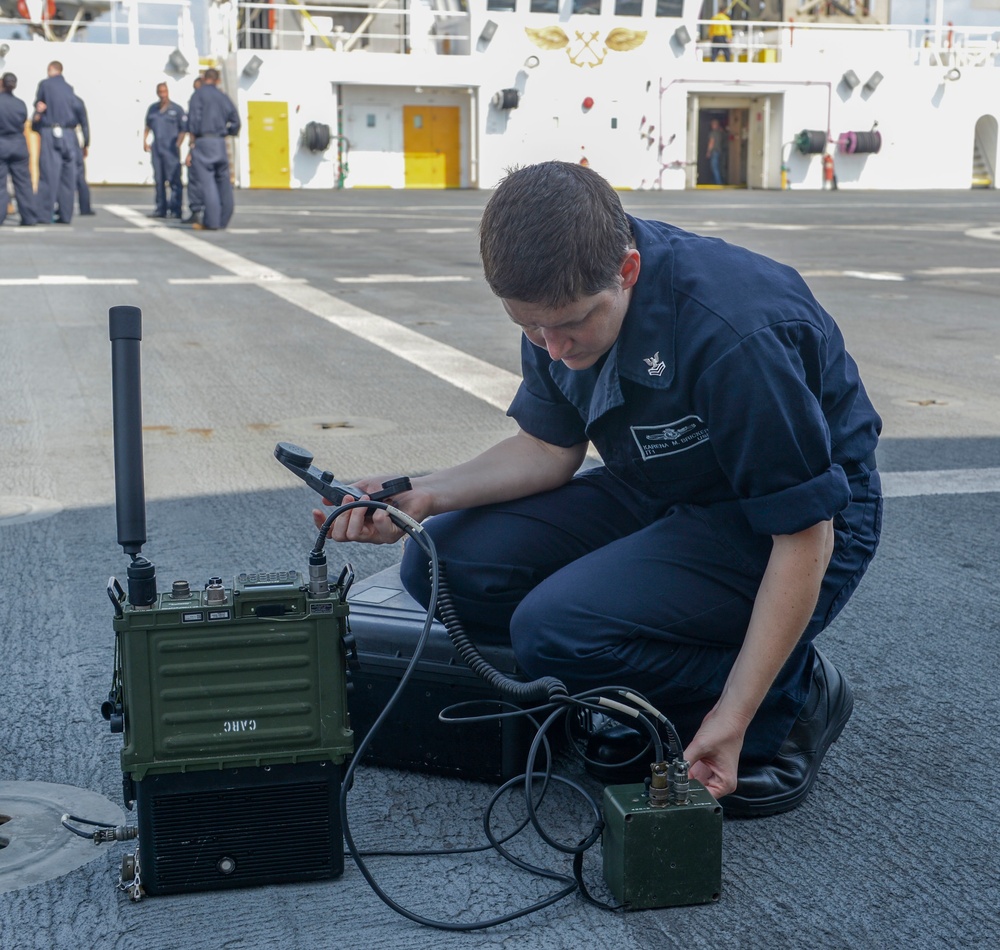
[431, 146]
[267, 130]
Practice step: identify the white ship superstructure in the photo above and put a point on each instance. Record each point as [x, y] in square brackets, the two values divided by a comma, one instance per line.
[450, 93]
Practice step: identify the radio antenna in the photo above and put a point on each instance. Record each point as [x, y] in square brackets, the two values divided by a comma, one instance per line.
[125, 330]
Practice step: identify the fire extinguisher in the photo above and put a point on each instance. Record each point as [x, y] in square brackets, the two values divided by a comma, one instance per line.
[829, 176]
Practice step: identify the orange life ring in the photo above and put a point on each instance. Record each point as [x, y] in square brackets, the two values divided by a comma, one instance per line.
[48, 11]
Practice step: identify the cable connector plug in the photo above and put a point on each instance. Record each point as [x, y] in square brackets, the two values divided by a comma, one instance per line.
[678, 783]
[105, 831]
[319, 579]
[659, 786]
[118, 833]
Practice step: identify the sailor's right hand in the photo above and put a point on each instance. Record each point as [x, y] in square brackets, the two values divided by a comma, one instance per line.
[374, 526]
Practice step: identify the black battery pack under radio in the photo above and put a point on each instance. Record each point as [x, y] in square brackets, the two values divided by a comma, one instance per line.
[386, 623]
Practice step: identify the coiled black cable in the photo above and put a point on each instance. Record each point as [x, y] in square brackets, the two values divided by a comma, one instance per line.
[544, 689]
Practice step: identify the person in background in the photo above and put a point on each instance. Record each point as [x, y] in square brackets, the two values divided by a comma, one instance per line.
[83, 139]
[166, 122]
[713, 150]
[720, 33]
[211, 118]
[14, 153]
[55, 119]
[196, 203]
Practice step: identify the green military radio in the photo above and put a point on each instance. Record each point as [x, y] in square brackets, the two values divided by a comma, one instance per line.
[232, 700]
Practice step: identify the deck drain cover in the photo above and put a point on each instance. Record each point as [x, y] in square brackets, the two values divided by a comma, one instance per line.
[15, 510]
[34, 846]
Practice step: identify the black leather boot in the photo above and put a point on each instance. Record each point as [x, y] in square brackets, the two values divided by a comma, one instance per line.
[783, 783]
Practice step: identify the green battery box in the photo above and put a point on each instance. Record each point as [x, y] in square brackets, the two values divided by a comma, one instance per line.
[662, 855]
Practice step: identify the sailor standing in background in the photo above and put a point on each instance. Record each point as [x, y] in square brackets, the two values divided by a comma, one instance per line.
[195, 202]
[55, 119]
[82, 188]
[211, 117]
[168, 123]
[14, 152]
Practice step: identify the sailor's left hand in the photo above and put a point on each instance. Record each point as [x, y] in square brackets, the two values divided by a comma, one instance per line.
[714, 753]
[375, 527]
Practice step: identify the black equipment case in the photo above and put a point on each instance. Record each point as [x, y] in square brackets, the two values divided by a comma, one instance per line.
[386, 623]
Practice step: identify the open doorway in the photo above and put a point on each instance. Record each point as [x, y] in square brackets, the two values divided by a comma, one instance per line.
[751, 139]
[722, 147]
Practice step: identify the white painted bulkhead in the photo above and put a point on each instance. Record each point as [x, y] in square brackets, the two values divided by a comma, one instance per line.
[372, 122]
[118, 84]
[639, 131]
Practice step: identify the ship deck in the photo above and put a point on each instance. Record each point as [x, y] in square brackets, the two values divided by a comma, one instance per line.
[348, 322]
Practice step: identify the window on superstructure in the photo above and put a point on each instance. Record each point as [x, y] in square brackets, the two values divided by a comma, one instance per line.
[628, 7]
[590, 7]
[544, 6]
[670, 8]
[501, 6]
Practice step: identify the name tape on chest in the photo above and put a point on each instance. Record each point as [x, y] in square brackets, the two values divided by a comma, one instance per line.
[670, 437]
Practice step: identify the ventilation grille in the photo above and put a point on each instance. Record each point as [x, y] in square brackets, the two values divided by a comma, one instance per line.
[234, 837]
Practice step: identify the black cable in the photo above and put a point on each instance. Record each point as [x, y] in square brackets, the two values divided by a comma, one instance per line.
[417, 534]
[583, 701]
[87, 821]
[105, 831]
[556, 702]
[511, 783]
[89, 835]
[582, 886]
[471, 849]
[532, 812]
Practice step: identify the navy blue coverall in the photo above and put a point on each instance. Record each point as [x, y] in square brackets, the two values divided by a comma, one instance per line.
[14, 159]
[59, 158]
[726, 412]
[167, 125]
[82, 188]
[211, 117]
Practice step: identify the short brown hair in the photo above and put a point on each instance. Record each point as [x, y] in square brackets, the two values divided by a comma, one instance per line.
[553, 233]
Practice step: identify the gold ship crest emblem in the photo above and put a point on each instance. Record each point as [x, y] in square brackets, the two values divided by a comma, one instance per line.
[587, 49]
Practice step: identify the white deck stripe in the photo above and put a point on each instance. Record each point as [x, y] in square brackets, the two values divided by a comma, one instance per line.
[220, 280]
[955, 481]
[873, 275]
[401, 279]
[493, 385]
[64, 280]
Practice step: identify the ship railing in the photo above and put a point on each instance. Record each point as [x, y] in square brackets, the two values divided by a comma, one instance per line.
[437, 27]
[775, 42]
[444, 27]
[116, 22]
